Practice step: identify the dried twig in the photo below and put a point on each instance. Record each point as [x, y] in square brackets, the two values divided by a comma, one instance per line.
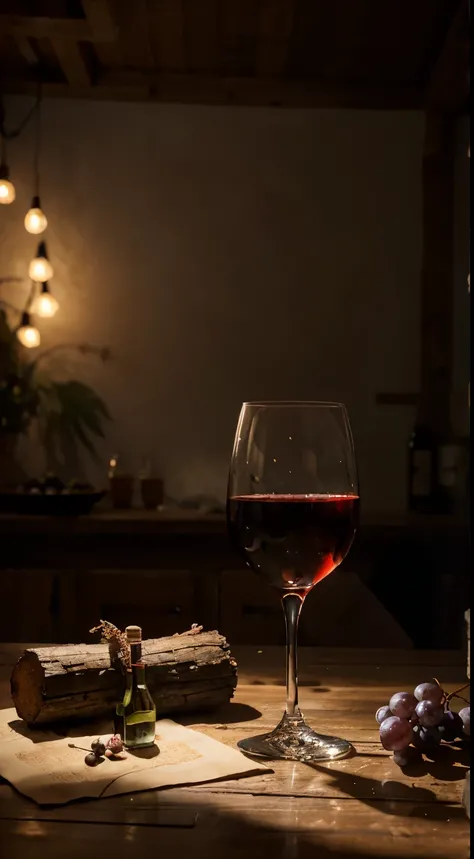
[112, 634]
[195, 630]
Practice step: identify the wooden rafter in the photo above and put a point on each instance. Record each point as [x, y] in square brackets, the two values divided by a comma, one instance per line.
[100, 20]
[72, 62]
[167, 35]
[276, 25]
[43, 27]
[139, 85]
[26, 50]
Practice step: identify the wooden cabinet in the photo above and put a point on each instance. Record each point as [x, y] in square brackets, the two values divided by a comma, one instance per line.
[250, 611]
[60, 577]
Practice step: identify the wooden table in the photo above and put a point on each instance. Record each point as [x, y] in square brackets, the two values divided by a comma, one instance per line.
[357, 808]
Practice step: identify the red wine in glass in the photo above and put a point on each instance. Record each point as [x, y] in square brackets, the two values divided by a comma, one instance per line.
[292, 541]
[292, 508]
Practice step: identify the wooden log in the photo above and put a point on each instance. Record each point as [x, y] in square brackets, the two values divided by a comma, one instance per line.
[188, 672]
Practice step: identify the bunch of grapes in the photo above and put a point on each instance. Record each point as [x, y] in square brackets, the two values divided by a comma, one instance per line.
[420, 721]
[112, 747]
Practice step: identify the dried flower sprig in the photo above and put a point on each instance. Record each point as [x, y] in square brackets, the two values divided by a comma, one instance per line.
[112, 634]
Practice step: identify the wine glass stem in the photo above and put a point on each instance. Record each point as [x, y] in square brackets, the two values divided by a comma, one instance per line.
[291, 606]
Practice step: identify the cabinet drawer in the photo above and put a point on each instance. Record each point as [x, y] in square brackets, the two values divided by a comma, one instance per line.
[250, 610]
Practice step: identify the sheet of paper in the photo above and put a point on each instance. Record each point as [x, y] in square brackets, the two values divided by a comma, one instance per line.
[43, 766]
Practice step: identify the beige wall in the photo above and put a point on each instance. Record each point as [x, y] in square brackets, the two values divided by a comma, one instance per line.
[227, 254]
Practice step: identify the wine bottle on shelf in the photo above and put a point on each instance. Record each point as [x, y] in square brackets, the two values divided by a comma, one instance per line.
[422, 470]
[136, 713]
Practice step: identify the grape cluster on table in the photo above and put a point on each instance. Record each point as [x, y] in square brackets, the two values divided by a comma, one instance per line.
[420, 720]
[99, 750]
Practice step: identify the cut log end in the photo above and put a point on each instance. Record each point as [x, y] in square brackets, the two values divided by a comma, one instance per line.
[27, 686]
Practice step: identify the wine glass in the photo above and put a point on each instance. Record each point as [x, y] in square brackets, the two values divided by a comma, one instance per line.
[292, 511]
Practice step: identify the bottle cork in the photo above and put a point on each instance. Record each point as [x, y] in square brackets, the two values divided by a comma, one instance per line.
[134, 634]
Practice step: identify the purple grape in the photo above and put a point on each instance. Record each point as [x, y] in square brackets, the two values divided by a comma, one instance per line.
[429, 714]
[429, 692]
[451, 726]
[403, 704]
[465, 716]
[395, 733]
[425, 739]
[401, 757]
[98, 748]
[418, 739]
[382, 714]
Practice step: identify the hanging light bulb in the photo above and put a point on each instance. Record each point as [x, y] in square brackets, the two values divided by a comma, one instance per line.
[7, 188]
[35, 219]
[40, 268]
[27, 334]
[45, 305]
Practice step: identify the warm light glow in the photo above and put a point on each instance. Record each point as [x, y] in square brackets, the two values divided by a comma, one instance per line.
[7, 192]
[35, 221]
[45, 305]
[40, 269]
[29, 336]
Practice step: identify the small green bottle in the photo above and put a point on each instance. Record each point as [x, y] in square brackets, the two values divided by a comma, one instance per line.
[137, 712]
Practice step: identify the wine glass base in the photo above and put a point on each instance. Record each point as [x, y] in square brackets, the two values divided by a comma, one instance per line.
[294, 740]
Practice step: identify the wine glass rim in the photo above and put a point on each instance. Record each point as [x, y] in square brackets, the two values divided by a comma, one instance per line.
[294, 403]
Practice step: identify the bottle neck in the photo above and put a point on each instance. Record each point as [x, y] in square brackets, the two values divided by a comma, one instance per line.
[135, 652]
[137, 666]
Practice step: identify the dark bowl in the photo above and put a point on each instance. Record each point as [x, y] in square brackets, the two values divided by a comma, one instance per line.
[73, 504]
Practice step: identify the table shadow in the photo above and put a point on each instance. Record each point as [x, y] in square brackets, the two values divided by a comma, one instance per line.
[145, 754]
[203, 831]
[226, 714]
[35, 734]
[392, 797]
[43, 734]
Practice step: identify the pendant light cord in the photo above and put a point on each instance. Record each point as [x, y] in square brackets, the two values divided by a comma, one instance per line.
[36, 162]
[10, 135]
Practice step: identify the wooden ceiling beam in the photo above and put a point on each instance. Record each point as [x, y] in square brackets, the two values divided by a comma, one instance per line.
[72, 62]
[141, 85]
[42, 27]
[448, 88]
[100, 20]
[166, 25]
[26, 50]
[275, 29]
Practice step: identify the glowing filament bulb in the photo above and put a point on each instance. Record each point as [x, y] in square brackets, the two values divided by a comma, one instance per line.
[45, 305]
[35, 219]
[40, 268]
[7, 188]
[27, 334]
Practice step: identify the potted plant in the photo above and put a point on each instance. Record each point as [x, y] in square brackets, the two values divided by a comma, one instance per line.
[68, 414]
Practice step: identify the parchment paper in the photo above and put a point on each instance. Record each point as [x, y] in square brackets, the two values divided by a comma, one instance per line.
[41, 765]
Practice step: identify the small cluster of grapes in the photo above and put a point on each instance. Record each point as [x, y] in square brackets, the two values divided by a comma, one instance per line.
[420, 720]
[99, 749]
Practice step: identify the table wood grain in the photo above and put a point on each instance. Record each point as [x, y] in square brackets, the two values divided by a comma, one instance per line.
[359, 807]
